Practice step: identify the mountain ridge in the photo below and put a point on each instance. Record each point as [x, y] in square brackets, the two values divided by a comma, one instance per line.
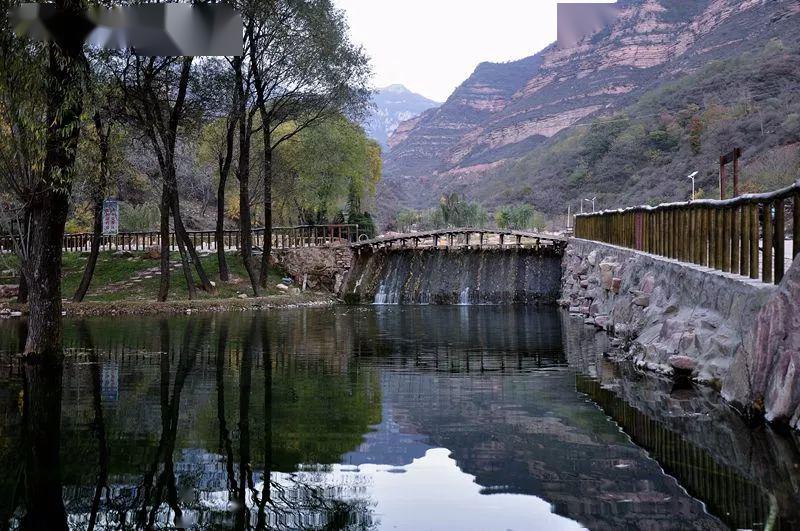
[505, 111]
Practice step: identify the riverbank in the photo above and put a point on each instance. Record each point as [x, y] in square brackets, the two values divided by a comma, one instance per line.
[133, 307]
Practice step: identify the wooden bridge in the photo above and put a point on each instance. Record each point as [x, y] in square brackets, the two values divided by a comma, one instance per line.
[465, 238]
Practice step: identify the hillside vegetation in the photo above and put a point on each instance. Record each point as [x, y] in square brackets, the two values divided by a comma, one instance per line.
[643, 153]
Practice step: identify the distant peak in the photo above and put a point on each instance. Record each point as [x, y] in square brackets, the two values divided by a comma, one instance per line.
[395, 88]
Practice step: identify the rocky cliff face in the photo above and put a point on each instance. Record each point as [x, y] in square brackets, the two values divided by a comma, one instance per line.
[504, 111]
[393, 105]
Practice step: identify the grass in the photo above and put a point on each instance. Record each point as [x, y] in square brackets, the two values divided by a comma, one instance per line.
[113, 274]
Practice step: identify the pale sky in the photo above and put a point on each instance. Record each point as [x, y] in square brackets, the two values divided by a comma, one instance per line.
[431, 46]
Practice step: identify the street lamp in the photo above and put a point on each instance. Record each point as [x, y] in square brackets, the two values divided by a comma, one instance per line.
[592, 200]
[692, 176]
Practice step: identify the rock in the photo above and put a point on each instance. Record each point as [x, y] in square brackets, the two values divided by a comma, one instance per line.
[574, 309]
[592, 258]
[602, 321]
[588, 321]
[122, 253]
[642, 300]
[242, 296]
[152, 253]
[648, 283]
[294, 290]
[616, 283]
[15, 314]
[8, 291]
[606, 279]
[282, 287]
[682, 364]
[5, 311]
[584, 284]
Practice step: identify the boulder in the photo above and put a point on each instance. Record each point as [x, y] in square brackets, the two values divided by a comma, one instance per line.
[153, 252]
[682, 364]
[123, 253]
[282, 287]
[8, 291]
[642, 300]
[592, 258]
[616, 283]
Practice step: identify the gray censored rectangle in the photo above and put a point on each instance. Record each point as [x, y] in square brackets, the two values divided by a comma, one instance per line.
[150, 29]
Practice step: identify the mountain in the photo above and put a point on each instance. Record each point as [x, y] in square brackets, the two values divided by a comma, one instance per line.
[665, 89]
[392, 105]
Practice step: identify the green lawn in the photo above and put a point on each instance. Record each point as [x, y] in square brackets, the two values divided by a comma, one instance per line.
[111, 281]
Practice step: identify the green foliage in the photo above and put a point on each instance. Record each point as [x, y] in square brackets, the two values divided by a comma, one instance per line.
[519, 217]
[138, 218]
[325, 170]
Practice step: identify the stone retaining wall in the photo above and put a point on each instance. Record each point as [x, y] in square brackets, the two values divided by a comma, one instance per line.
[740, 335]
[323, 268]
[671, 316]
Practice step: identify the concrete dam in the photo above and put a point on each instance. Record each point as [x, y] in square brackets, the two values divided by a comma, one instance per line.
[461, 276]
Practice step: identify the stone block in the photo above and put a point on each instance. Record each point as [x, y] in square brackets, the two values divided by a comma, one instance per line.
[616, 283]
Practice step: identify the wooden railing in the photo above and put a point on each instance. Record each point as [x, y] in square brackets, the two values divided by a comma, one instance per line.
[282, 238]
[746, 235]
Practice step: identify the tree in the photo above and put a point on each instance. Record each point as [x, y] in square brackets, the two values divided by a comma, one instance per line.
[155, 100]
[304, 71]
[325, 170]
[41, 101]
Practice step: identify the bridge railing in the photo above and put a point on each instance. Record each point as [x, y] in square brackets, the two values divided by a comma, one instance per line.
[754, 235]
[282, 238]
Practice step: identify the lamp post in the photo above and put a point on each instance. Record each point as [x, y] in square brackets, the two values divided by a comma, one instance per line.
[692, 176]
[592, 200]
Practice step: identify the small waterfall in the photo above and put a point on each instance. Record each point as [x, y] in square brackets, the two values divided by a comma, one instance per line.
[465, 278]
[463, 298]
[380, 296]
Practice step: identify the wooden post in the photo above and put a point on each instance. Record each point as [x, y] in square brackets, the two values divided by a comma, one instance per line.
[736, 154]
[480, 244]
[502, 236]
[780, 236]
[796, 226]
[766, 253]
[723, 178]
[736, 222]
[754, 233]
[726, 240]
[744, 265]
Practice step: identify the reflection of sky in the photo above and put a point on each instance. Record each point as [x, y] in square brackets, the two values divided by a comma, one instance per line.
[433, 486]
[430, 493]
[387, 443]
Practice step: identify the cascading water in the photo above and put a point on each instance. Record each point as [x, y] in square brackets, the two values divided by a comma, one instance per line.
[462, 277]
[463, 298]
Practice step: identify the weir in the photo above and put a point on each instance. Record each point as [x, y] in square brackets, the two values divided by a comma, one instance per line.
[455, 276]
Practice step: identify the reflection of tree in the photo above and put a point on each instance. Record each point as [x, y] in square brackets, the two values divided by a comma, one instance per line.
[160, 486]
[99, 426]
[41, 414]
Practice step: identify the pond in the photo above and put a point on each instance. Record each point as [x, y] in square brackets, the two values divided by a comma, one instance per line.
[391, 417]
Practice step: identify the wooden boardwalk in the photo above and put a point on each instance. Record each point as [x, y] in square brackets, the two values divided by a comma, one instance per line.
[464, 238]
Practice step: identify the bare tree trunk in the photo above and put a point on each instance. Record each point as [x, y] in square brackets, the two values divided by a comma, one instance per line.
[224, 171]
[187, 268]
[183, 238]
[243, 175]
[88, 271]
[42, 268]
[97, 207]
[22, 293]
[163, 288]
[262, 280]
[219, 235]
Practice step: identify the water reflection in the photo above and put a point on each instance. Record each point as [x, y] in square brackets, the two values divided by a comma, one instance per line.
[362, 418]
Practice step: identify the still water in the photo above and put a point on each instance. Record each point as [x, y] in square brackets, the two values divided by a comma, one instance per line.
[464, 418]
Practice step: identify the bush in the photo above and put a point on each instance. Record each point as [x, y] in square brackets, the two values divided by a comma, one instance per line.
[138, 218]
